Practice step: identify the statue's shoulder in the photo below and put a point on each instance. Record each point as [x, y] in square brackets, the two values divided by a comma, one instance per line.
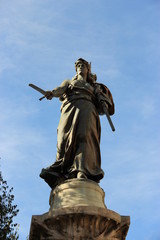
[103, 87]
[66, 82]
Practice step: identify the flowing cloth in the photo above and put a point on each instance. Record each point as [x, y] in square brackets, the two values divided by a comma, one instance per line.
[79, 131]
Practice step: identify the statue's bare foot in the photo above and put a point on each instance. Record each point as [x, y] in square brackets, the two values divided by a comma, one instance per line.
[81, 175]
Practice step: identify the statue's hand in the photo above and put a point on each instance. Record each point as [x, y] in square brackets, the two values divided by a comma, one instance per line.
[97, 89]
[49, 95]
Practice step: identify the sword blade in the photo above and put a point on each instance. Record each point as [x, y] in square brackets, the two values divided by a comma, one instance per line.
[107, 115]
[37, 88]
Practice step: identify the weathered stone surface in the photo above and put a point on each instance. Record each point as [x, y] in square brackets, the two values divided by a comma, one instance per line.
[80, 223]
[77, 192]
[78, 212]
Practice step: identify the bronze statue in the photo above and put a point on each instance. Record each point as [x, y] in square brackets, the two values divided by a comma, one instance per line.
[79, 130]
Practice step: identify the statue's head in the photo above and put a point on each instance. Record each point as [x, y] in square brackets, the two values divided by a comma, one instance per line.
[82, 61]
[87, 67]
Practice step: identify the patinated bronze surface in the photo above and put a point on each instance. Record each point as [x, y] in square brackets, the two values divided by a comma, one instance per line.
[77, 208]
[79, 130]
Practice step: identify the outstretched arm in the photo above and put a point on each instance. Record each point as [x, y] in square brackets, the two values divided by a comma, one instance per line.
[58, 91]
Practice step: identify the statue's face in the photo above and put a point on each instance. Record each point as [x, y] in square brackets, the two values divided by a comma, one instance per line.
[82, 69]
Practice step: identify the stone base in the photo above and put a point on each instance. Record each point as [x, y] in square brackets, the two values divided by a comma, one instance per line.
[80, 223]
[77, 192]
[77, 212]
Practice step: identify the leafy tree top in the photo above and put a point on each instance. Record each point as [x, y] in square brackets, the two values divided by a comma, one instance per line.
[8, 229]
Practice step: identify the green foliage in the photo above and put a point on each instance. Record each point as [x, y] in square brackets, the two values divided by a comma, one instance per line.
[8, 229]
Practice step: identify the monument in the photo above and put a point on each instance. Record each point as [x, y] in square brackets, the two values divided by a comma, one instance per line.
[77, 208]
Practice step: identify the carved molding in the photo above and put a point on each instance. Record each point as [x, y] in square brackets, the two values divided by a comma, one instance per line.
[80, 223]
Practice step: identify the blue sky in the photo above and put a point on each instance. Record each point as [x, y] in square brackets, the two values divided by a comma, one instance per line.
[39, 43]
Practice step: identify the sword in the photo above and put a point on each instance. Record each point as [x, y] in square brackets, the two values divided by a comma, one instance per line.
[104, 106]
[105, 109]
[39, 90]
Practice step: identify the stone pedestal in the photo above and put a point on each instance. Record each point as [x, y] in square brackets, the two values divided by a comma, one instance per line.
[78, 212]
[77, 192]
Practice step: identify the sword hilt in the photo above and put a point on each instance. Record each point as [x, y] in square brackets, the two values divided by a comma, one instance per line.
[42, 98]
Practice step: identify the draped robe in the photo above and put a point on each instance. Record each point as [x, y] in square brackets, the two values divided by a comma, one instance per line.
[79, 131]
